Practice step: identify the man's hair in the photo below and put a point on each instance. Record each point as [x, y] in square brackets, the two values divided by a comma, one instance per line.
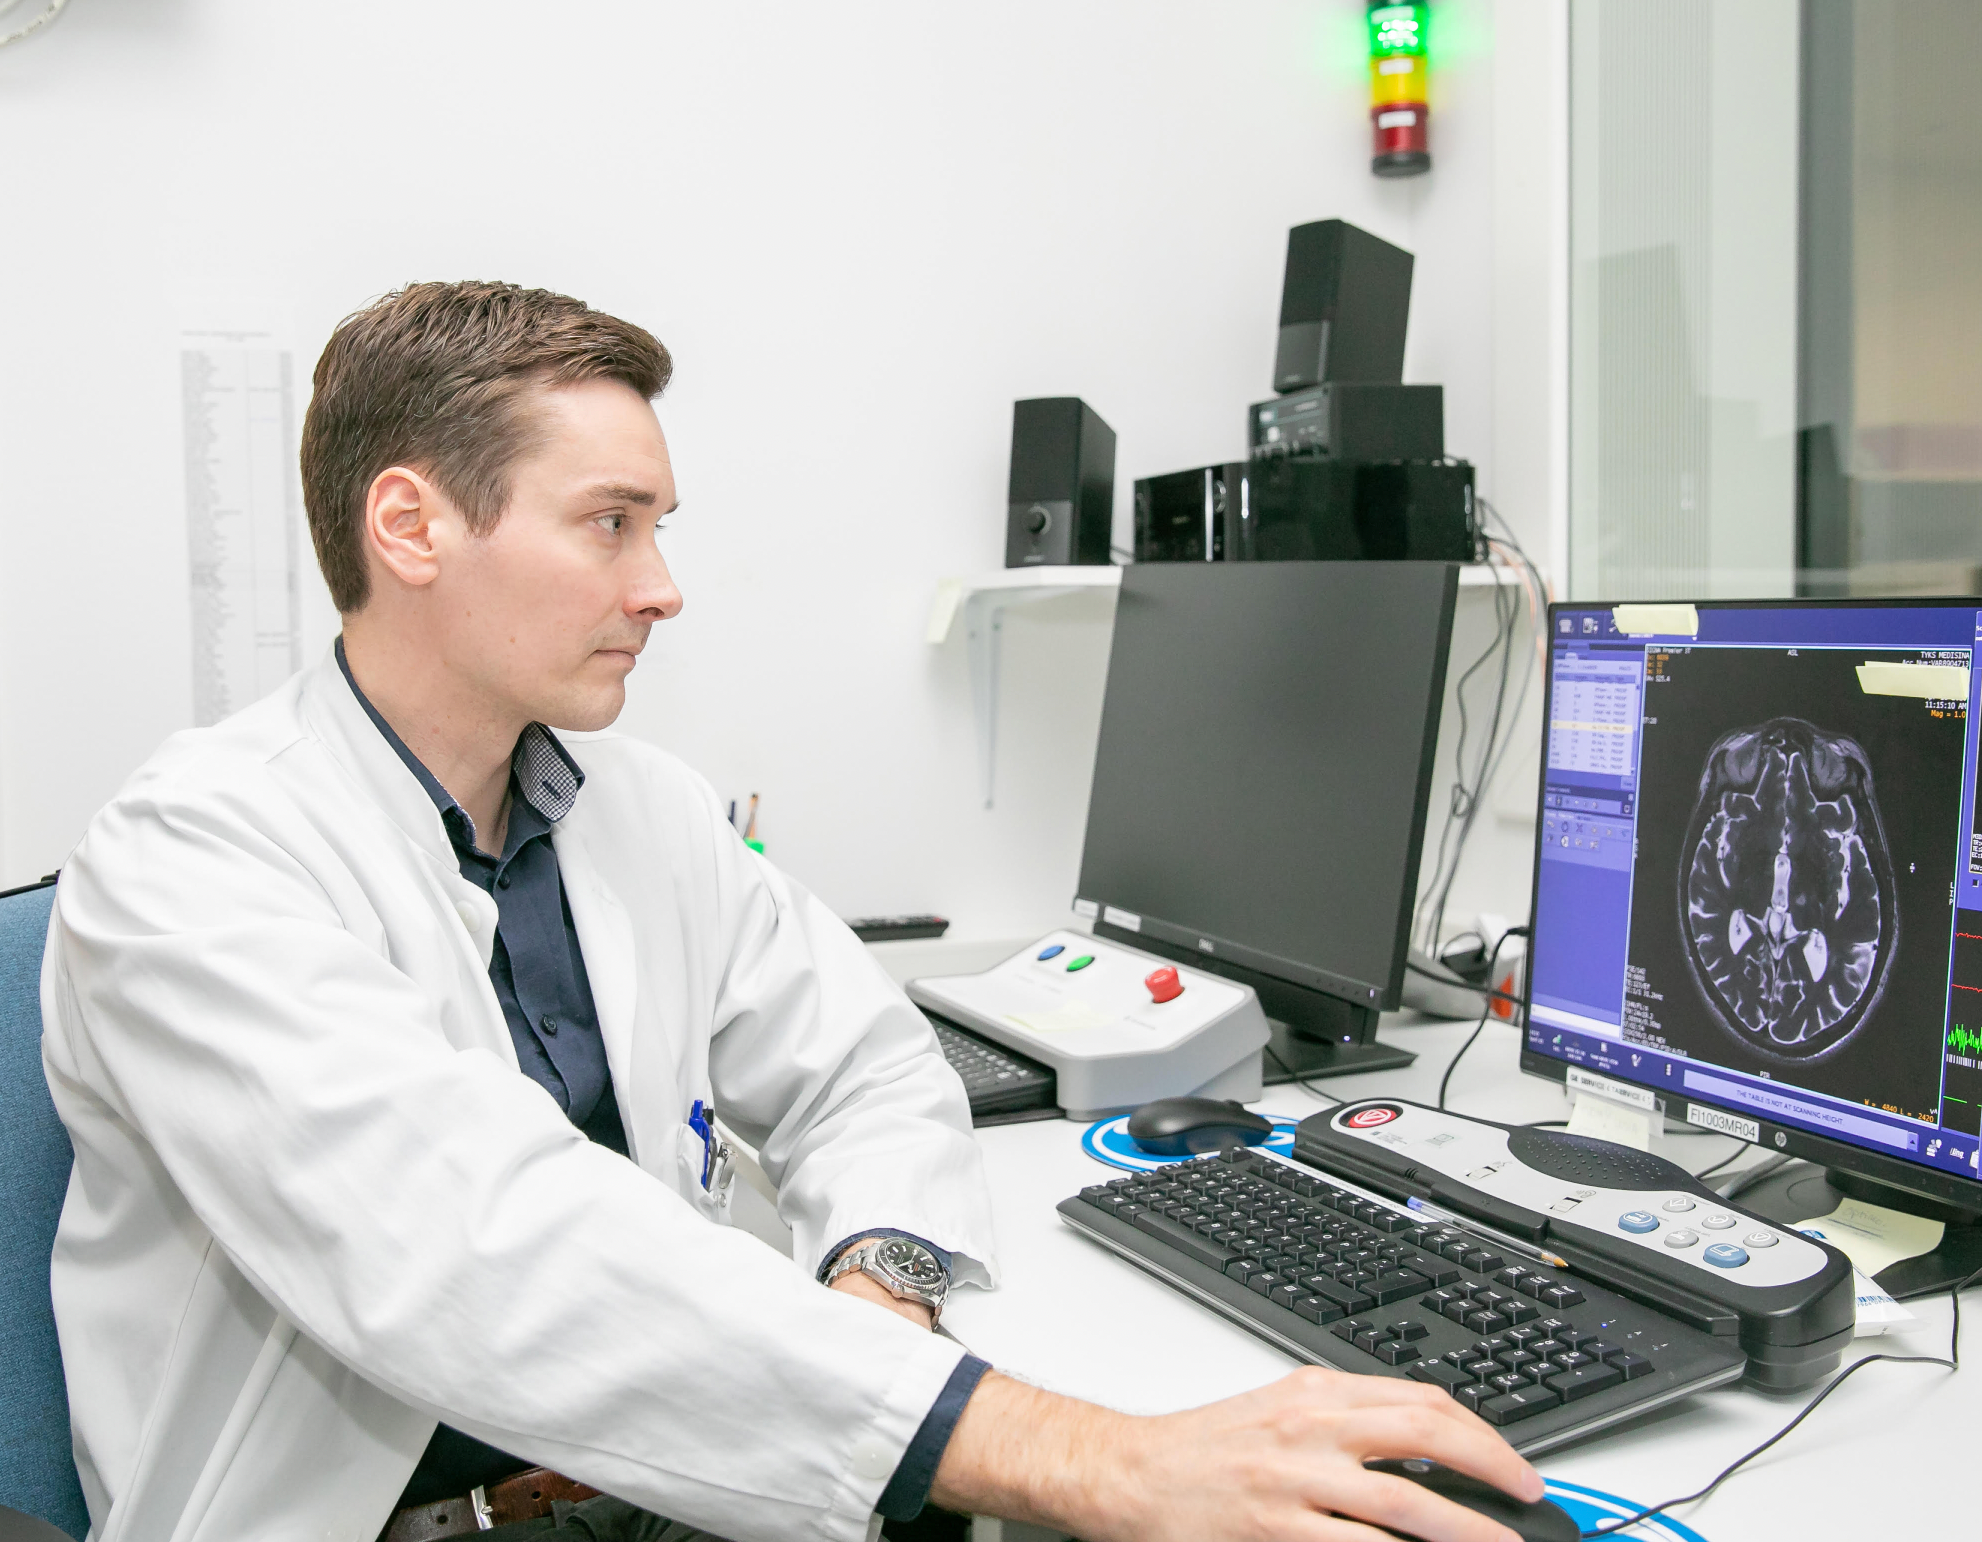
[439, 378]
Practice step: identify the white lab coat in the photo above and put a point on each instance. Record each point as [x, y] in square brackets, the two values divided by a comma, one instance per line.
[316, 1206]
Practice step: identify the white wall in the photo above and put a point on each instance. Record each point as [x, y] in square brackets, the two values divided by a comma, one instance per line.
[862, 230]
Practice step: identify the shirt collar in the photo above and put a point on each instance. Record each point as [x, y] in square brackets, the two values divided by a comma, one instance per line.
[544, 774]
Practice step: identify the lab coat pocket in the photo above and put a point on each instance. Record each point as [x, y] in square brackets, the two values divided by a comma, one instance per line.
[691, 1156]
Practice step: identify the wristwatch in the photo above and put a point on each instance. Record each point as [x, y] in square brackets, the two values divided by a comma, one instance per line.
[906, 1270]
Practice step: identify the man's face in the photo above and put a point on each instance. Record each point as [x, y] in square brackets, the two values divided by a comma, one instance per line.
[546, 613]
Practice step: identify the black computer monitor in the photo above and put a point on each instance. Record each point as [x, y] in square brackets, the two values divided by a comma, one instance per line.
[1758, 897]
[1261, 782]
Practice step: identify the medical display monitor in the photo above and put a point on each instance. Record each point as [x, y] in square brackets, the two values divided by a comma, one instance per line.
[1758, 893]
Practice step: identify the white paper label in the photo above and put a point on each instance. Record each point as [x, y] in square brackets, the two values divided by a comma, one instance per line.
[1086, 908]
[1618, 1092]
[1726, 1124]
[1128, 921]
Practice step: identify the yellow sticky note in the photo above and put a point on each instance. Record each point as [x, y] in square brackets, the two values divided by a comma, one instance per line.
[1923, 682]
[1657, 620]
[1873, 1237]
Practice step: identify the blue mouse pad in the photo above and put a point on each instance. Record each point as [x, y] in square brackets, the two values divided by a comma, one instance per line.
[1108, 1141]
[1590, 1508]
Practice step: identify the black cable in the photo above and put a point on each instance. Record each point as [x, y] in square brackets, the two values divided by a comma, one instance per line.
[1486, 1011]
[1952, 1361]
[1300, 1080]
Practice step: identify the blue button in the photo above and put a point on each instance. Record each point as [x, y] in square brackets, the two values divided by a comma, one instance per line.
[1639, 1221]
[1053, 952]
[1725, 1255]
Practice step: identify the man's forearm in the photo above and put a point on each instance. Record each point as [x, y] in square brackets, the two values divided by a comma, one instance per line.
[1030, 1455]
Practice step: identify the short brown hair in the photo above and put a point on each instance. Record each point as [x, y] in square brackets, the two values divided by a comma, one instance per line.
[437, 377]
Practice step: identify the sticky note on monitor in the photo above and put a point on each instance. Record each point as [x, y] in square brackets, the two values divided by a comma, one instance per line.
[1656, 620]
[1923, 682]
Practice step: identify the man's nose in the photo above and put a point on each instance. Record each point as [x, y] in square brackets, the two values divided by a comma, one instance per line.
[654, 595]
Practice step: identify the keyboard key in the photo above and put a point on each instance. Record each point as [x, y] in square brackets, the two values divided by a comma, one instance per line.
[1365, 1338]
[1396, 1352]
[1439, 1374]
[1265, 1281]
[1433, 1268]
[1317, 1310]
[1600, 1349]
[1345, 1296]
[1569, 1359]
[1482, 1321]
[1350, 1328]
[1389, 1221]
[1285, 1295]
[1458, 1310]
[1407, 1329]
[1481, 1262]
[1509, 1381]
[1573, 1338]
[1522, 1338]
[1518, 1310]
[1518, 1360]
[1584, 1380]
[1395, 1285]
[1633, 1366]
[1510, 1407]
[1511, 1275]
[1182, 1238]
[1480, 1370]
[1475, 1395]
[1437, 1300]
[1239, 1268]
[1560, 1296]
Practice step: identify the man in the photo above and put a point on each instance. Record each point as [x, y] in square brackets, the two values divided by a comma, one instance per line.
[389, 1018]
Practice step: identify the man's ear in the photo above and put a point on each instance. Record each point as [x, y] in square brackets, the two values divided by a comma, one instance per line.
[401, 510]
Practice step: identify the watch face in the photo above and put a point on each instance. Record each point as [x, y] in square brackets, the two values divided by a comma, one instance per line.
[911, 1262]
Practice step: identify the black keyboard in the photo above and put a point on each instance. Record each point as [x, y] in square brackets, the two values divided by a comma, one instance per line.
[1004, 1087]
[1335, 1276]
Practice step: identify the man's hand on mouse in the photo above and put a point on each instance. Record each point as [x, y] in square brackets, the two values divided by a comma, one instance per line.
[1280, 1464]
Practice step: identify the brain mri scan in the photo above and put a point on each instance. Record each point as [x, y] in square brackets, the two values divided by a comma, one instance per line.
[1787, 903]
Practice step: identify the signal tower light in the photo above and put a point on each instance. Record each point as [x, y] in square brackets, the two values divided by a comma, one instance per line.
[1398, 98]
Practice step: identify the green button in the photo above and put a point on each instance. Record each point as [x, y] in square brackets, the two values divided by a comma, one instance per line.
[1080, 963]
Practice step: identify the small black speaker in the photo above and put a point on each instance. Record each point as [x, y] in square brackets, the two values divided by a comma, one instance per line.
[1193, 516]
[1062, 494]
[1352, 422]
[1344, 304]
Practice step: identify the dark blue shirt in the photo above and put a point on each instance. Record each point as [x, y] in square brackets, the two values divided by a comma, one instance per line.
[538, 971]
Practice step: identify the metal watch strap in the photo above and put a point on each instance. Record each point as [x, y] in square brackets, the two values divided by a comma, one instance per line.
[858, 1258]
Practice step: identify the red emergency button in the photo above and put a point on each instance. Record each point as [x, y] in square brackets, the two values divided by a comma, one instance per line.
[1163, 984]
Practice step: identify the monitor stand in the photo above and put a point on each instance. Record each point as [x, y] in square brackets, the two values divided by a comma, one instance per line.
[1802, 1191]
[1293, 1056]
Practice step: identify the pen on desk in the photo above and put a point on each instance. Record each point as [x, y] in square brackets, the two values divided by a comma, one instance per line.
[750, 829]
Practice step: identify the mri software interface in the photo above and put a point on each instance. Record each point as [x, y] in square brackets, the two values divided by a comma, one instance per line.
[1760, 874]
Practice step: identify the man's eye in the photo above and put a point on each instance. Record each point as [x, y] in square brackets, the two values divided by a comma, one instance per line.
[613, 522]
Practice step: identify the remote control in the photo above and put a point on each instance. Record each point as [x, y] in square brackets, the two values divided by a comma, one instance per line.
[898, 928]
[1635, 1222]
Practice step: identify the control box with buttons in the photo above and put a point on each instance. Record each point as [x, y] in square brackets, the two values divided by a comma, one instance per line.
[1117, 1026]
[1643, 1226]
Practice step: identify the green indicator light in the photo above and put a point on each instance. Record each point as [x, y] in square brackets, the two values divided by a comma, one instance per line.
[1397, 29]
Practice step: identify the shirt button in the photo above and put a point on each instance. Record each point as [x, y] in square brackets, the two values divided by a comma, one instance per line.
[470, 917]
[872, 1459]
[548, 1024]
[503, 881]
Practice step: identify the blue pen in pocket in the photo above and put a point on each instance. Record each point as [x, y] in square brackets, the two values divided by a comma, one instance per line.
[702, 1120]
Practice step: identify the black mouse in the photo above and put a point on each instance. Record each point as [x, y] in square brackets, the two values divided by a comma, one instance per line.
[1181, 1126]
[1542, 1521]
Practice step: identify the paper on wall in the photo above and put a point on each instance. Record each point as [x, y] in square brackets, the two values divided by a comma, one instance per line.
[243, 517]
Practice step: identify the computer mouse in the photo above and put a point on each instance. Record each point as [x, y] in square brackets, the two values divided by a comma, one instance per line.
[1542, 1521]
[1182, 1126]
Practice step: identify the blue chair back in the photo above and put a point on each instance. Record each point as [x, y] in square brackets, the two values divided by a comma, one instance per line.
[37, 1461]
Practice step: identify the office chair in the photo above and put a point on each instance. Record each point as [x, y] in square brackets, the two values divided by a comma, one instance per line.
[37, 1462]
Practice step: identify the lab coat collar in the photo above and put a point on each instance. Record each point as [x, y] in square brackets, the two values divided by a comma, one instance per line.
[334, 715]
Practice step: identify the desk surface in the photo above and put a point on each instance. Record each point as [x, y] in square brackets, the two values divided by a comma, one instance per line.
[1074, 1318]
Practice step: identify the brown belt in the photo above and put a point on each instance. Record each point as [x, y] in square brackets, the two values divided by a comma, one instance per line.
[525, 1497]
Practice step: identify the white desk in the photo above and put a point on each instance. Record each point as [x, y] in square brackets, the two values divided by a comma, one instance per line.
[1073, 1317]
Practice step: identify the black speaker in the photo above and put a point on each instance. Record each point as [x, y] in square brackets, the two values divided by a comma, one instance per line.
[1062, 494]
[1352, 421]
[1344, 304]
[1199, 515]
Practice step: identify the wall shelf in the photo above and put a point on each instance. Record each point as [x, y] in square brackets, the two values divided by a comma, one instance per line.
[983, 599]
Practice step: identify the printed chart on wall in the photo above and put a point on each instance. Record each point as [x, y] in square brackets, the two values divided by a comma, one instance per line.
[243, 517]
